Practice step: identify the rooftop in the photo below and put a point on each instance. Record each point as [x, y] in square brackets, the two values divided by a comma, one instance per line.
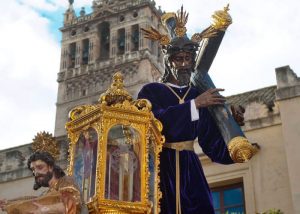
[264, 95]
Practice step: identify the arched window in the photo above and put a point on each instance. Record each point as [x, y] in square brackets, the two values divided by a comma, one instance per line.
[72, 55]
[104, 36]
[135, 37]
[85, 51]
[121, 41]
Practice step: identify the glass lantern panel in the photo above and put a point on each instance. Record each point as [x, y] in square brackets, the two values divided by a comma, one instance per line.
[123, 170]
[85, 163]
[153, 174]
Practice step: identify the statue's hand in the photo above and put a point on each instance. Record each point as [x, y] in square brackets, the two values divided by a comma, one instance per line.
[209, 98]
[40, 209]
[238, 114]
[3, 203]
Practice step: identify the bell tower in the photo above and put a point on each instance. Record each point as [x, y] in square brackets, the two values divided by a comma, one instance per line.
[96, 45]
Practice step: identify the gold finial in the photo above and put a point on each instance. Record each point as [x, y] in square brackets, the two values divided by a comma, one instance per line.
[45, 142]
[181, 20]
[118, 80]
[226, 9]
[153, 34]
[241, 150]
[116, 93]
[221, 19]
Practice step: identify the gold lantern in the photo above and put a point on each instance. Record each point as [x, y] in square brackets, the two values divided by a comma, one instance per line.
[114, 153]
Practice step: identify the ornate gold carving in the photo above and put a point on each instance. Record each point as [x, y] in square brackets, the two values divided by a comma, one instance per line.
[142, 104]
[221, 19]
[73, 139]
[45, 142]
[154, 35]
[158, 124]
[241, 150]
[116, 93]
[181, 20]
[116, 108]
[80, 110]
[122, 207]
[207, 33]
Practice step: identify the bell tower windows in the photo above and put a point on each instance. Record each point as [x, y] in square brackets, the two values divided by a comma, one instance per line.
[104, 35]
[97, 43]
[85, 51]
[72, 55]
[121, 41]
[135, 37]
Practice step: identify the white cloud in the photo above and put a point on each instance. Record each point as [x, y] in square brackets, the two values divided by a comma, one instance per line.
[40, 4]
[53, 5]
[29, 62]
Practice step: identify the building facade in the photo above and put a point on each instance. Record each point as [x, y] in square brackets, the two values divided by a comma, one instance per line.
[269, 179]
[96, 45]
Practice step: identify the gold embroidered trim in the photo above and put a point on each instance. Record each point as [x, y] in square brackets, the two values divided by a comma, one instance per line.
[180, 146]
[180, 100]
[178, 204]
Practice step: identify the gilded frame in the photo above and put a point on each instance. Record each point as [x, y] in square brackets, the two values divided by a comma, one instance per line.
[102, 117]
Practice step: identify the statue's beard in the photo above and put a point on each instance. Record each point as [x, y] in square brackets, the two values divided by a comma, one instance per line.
[183, 76]
[42, 180]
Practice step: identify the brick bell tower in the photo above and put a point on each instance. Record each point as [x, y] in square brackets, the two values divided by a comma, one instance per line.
[96, 45]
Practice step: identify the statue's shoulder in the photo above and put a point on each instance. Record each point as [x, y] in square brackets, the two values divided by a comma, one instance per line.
[194, 90]
[68, 178]
[151, 89]
[67, 181]
[154, 86]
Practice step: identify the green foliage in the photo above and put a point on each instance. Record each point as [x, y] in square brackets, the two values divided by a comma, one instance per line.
[273, 211]
[234, 212]
[270, 211]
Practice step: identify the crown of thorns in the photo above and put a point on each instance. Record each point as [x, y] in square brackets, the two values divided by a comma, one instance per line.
[221, 20]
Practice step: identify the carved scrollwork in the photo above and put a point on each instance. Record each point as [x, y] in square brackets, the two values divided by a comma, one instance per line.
[142, 104]
[79, 111]
[116, 94]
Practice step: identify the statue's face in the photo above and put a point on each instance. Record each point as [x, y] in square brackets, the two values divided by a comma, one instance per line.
[181, 67]
[42, 172]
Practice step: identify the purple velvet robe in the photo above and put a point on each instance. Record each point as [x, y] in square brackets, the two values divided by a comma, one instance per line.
[177, 126]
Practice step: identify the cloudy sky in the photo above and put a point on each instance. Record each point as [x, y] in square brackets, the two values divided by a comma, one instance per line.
[264, 35]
